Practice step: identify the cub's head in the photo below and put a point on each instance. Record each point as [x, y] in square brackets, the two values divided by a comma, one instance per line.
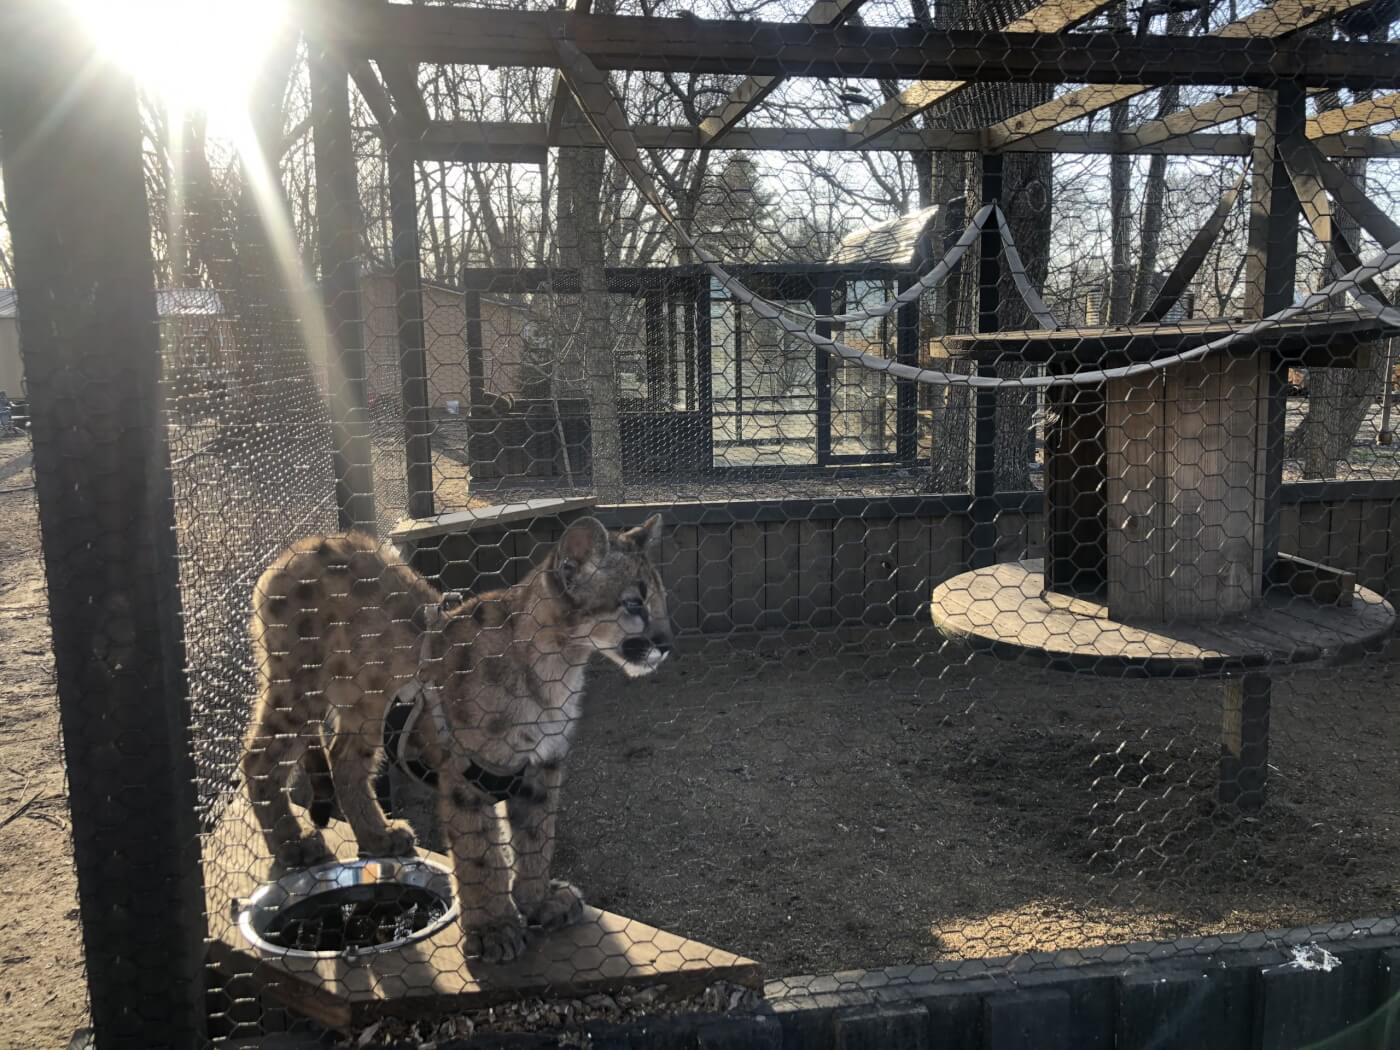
[613, 592]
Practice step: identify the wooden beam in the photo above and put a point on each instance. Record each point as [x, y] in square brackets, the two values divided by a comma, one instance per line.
[477, 142]
[560, 95]
[1240, 104]
[1278, 20]
[1048, 17]
[1186, 268]
[1222, 110]
[401, 76]
[1357, 117]
[372, 91]
[1303, 157]
[473, 36]
[1317, 209]
[747, 95]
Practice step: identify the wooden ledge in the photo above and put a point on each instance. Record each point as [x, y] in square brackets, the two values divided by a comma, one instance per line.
[411, 530]
[603, 953]
[1005, 609]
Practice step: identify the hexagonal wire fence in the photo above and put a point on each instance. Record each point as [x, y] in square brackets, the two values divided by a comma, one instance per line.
[717, 394]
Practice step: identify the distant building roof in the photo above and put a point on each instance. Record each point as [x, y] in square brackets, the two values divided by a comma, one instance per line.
[894, 242]
[170, 302]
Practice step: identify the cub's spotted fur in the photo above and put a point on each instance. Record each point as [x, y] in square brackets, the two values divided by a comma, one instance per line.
[341, 624]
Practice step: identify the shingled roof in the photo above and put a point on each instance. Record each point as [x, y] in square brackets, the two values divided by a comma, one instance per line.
[895, 242]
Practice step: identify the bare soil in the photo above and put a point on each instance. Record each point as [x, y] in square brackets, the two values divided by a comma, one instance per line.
[42, 990]
[821, 807]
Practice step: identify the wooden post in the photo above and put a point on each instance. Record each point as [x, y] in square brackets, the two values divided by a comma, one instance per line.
[70, 145]
[338, 241]
[1270, 274]
[654, 316]
[408, 301]
[906, 393]
[822, 299]
[1076, 519]
[476, 352]
[1244, 734]
[703, 374]
[983, 507]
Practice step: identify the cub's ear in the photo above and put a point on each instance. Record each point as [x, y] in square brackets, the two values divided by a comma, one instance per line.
[584, 543]
[645, 534]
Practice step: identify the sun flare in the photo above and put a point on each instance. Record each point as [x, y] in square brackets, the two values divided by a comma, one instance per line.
[193, 54]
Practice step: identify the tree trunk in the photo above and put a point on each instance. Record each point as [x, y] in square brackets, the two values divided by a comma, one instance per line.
[951, 407]
[1027, 192]
[1153, 208]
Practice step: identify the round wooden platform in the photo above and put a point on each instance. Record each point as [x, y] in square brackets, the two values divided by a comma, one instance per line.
[1001, 608]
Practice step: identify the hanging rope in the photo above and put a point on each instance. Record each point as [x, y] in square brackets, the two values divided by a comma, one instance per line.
[604, 114]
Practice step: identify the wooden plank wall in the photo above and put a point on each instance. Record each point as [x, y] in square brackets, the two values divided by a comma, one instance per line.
[748, 576]
[811, 570]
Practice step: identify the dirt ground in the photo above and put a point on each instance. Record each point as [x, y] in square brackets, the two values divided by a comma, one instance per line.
[821, 804]
[820, 810]
[42, 990]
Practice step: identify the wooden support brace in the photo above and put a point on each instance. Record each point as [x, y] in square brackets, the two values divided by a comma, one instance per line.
[752, 91]
[402, 78]
[1186, 268]
[1052, 16]
[1278, 20]
[1302, 156]
[372, 91]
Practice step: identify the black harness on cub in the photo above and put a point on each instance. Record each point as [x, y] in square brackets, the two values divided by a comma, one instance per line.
[399, 721]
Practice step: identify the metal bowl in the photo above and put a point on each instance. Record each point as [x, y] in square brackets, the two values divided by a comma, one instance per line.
[345, 909]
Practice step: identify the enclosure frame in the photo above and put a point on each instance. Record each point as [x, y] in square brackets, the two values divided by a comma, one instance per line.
[104, 487]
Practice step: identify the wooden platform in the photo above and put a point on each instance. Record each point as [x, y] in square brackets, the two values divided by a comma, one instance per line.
[1326, 339]
[602, 953]
[1001, 608]
[413, 530]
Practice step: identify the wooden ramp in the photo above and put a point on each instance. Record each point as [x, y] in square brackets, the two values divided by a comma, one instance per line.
[602, 953]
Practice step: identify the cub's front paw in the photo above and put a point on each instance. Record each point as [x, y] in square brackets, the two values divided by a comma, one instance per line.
[304, 852]
[397, 841]
[561, 906]
[496, 940]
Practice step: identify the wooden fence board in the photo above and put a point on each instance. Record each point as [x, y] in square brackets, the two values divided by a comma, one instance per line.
[815, 606]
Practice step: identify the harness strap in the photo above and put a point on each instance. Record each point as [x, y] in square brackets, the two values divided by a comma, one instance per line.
[399, 722]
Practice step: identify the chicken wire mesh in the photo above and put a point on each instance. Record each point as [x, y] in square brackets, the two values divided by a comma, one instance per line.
[785, 524]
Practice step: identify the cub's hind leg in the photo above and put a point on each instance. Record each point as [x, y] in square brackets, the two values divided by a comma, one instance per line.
[275, 744]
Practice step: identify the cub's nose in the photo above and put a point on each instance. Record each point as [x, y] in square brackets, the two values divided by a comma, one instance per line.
[663, 639]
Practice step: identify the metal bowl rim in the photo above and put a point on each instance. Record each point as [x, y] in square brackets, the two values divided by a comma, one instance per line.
[304, 883]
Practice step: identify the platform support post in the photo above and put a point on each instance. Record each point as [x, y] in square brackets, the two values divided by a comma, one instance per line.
[1244, 742]
[1270, 277]
[984, 435]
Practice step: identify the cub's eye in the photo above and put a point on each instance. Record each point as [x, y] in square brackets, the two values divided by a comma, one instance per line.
[634, 606]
